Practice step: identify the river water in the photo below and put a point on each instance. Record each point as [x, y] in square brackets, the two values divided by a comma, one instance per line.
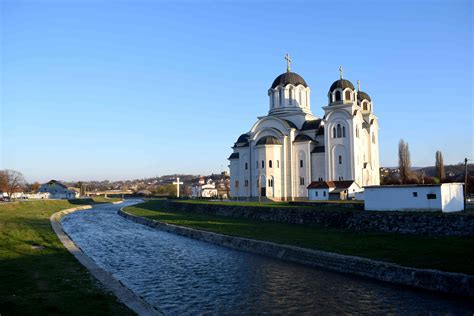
[179, 275]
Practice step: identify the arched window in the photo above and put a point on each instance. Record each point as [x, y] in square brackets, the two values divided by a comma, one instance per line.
[337, 96]
[278, 163]
[334, 132]
[347, 95]
[281, 96]
[301, 97]
[301, 163]
[340, 159]
[339, 131]
[263, 164]
[357, 131]
[290, 101]
[343, 131]
[364, 106]
[246, 166]
[270, 164]
[373, 138]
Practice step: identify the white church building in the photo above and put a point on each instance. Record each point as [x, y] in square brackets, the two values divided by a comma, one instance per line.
[290, 147]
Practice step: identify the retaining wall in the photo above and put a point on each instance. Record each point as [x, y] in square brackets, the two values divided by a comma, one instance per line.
[445, 282]
[420, 223]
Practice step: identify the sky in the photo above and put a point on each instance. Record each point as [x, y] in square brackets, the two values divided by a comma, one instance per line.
[93, 90]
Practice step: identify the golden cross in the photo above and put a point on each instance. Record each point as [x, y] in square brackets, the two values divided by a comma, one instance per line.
[288, 61]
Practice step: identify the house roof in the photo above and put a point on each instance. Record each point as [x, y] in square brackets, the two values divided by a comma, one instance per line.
[340, 185]
[51, 182]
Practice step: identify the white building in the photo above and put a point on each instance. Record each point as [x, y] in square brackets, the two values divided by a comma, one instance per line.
[204, 189]
[57, 190]
[447, 197]
[332, 190]
[290, 147]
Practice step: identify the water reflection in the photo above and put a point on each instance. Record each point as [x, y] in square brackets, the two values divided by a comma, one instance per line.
[180, 275]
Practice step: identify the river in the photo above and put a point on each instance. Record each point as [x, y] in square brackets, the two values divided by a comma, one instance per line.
[179, 275]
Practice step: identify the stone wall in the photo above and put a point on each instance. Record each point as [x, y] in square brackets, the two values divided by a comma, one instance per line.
[445, 282]
[422, 223]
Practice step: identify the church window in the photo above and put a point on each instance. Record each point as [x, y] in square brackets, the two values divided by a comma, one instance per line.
[301, 180]
[339, 131]
[270, 164]
[278, 163]
[257, 164]
[236, 183]
[340, 159]
[334, 132]
[301, 97]
[373, 138]
[270, 183]
[301, 163]
[281, 97]
[364, 106]
[343, 131]
[263, 164]
[290, 101]
[246, 166]
[337, 96]
[246, 183]
[357, 131]
[320, 179]
[347, 95]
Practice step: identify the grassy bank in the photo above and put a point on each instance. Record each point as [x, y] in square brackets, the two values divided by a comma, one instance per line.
[441, 253]
[38, 276]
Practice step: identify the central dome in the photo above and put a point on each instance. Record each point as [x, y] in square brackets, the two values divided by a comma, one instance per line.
[288, 78]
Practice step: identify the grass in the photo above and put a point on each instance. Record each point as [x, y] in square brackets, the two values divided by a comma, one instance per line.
[37, 274]
[452, 254]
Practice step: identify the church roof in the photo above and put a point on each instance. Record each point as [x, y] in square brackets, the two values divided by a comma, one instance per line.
[302, 138]
[268, 140]
[234, 156]
[341, 84]
[288, 78]
[318, 149]
[243, 141]
[313, 124]
[291, 124]
[361, 95]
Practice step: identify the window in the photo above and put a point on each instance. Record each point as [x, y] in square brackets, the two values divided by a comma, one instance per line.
[324, 193]
[246, 183]
[316, 193]
[320, 179]
[339, 131]
[257, 164]
[281, 96]
[343, 131]
[337, 96]
[357, 131]
[270, 183]
[246, 166]
[347, 95]
[301, 163]
[301, 180]
[373, 138]
[278, 163]
[334, 132]
[340, 159]
[301, 97]
[263, 164]
[270, 164]
[415, 194]
[236, 183]
[290, 101]
[431, 196]
[364, 106]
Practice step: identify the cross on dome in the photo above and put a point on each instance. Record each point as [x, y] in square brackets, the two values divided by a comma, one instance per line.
[288, 62]
[340, 72]
[358, 85]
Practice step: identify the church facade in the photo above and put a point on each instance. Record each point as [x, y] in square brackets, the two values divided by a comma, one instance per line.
[290, 147]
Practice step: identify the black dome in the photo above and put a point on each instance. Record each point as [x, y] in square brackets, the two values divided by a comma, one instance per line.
[363, 96]
[268, 140]
[341, 84]
[243, 141]
[288, 78]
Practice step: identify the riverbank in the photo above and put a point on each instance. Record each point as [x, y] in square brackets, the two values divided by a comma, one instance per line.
[425, 252]
[39, 276]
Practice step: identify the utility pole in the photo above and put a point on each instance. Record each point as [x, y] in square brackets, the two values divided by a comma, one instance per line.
[465, 183]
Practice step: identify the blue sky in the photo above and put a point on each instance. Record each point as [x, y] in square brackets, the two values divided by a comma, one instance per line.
[128, 89]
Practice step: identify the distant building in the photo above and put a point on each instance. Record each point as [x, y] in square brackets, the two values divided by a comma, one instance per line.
[446, 197]
[332, 190]
[204, 189]
[57, 190]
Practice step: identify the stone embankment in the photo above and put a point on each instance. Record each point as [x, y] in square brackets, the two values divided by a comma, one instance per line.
[123, 294]
[419, 223]
[444, 282]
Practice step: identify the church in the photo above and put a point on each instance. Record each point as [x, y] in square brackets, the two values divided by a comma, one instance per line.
[290, 147]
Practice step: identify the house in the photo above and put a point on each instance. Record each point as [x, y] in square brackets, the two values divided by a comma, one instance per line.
[446, 197]
[204, 189]
[57, 190]
[332, 190]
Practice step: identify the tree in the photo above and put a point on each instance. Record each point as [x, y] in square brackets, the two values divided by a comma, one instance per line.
[11, 181]
[440, 166]
[35, 186]
[404, 162]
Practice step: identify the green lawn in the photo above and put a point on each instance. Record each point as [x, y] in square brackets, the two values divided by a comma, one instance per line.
[37, 274]
[443, 253]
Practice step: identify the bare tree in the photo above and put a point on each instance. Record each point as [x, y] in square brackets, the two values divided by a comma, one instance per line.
[440, 166]
[11, 181]
[404, 162]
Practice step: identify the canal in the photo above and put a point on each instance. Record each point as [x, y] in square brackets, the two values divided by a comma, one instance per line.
[179, 275]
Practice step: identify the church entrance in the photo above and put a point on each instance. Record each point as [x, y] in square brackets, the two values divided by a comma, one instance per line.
[263, 191]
